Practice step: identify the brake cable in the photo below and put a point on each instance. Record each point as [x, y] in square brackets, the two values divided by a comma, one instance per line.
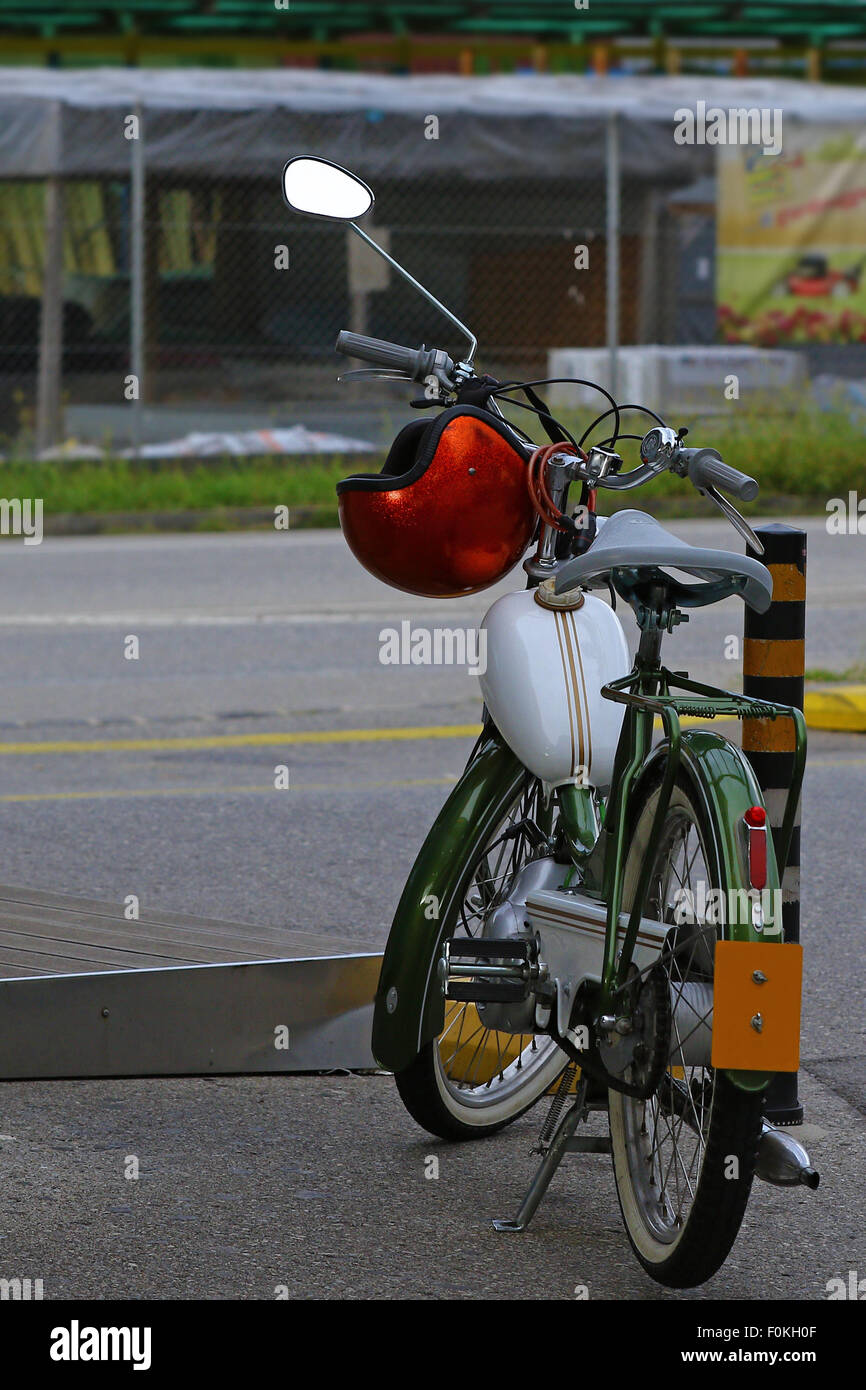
[616, 434]
[536, 482]
[567, 381]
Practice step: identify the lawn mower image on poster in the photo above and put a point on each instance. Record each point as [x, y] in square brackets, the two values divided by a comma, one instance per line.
[814, 278]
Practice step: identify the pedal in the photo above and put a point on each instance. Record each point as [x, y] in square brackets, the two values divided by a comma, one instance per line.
[499, 971]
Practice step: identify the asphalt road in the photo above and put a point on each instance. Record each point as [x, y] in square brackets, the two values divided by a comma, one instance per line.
[318, 1183]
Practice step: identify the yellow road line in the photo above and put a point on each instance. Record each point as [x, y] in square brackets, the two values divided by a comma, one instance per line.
[195, 744]
[201, 743]
[816, 706]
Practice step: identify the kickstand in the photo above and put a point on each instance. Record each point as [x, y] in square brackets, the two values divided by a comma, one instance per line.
[563, 1142]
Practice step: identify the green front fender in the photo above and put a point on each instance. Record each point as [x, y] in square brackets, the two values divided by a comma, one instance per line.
[409, 1004]
[725, 782]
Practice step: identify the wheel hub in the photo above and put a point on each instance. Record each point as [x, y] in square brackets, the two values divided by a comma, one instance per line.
[637, 1047]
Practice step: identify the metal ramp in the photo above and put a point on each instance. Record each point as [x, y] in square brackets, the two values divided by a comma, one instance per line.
[84, 992]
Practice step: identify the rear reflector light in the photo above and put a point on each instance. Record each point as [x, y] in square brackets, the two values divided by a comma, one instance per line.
[756, 829]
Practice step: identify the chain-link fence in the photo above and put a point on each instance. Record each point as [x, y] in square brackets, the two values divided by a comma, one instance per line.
[139, 310]
[226, 315]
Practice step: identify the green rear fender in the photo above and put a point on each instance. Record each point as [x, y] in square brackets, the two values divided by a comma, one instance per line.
[723, 780]
[409, 1005]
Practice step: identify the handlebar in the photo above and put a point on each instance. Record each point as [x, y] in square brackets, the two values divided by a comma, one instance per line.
[661, 448]
[707, 468]
[624, 482]
[417, 363]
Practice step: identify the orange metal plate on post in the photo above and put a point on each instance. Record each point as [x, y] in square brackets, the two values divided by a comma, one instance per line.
[737, 998]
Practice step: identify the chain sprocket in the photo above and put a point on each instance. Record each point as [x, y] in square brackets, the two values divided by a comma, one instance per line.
[648, 1053]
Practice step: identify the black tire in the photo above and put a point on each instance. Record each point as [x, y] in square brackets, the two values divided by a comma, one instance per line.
[682, 1215]
[456, 1109]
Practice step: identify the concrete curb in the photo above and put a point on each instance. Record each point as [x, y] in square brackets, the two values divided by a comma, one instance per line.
[839, 707]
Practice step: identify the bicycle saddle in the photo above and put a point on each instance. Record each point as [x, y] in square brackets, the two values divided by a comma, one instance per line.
[632, 540]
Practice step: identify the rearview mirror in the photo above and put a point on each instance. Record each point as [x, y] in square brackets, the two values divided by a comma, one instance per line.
[322, 189]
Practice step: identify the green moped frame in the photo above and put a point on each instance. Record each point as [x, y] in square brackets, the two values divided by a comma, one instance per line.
[410, 1004]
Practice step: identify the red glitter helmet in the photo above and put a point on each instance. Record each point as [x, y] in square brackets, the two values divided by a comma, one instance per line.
[449, 514]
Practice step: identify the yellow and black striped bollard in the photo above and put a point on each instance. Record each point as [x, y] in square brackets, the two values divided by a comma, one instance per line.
[774, 663]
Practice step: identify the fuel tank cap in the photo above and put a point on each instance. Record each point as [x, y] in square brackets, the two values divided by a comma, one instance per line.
[546, 598]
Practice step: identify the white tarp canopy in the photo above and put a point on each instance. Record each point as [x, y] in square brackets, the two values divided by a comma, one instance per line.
[240, 123]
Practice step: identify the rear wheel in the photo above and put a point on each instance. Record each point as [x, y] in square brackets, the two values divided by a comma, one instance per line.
[472, 1080]
[685, 1158]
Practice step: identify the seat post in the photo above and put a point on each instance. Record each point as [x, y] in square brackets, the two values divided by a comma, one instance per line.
[656, 615]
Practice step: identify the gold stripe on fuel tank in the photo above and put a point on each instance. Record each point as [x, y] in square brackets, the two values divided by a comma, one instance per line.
[585, 696]
[581, 751]
[557, 617]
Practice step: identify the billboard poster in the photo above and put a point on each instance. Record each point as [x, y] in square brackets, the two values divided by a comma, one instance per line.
[791, 239]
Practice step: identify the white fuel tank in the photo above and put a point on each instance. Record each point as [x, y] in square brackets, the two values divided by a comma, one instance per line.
[546, 663]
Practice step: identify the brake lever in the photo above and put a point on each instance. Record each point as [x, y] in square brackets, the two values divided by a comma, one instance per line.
[373, 374]
[738, 522]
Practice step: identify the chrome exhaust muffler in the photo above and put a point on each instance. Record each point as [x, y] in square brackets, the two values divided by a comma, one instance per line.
[783, 1161]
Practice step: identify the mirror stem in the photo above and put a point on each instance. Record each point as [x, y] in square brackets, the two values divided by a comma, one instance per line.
[473, 341]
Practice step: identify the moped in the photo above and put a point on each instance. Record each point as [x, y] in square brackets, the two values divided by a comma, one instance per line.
[595, 914]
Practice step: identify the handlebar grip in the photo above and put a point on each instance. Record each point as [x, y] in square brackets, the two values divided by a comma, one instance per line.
[708, 469]
[384, 354]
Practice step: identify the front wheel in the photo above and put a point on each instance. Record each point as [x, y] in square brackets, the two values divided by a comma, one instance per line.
[683, 1160]
[473, 1080]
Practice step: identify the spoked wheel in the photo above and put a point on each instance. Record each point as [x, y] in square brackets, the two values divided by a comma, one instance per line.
[472, 1080]
[684, 1159]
